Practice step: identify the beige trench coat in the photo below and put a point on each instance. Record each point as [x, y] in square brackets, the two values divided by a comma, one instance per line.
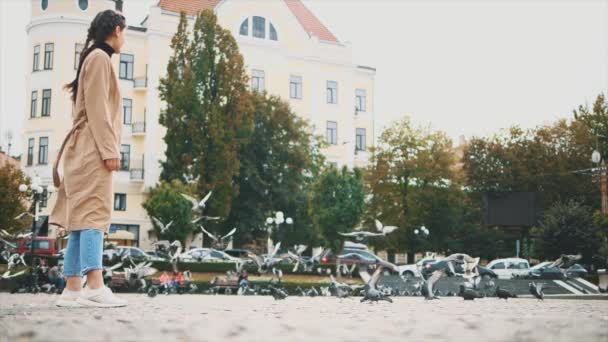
[84, 198]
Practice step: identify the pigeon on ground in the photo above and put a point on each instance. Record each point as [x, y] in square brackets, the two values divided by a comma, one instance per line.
[537, 290]
[504, 294]
[469, 294]
[371, 291]
[277, 293]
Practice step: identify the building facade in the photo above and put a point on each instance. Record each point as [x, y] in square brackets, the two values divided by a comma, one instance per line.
[287, 51]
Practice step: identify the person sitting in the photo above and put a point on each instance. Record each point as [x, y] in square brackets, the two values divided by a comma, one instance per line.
[56, 278]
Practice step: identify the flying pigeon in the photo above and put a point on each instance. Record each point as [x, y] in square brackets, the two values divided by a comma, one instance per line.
[198, 206]
[385, 230]
[219, 242]
[163, 227]
[371, 291]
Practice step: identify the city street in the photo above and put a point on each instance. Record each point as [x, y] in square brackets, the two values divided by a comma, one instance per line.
[241, 318]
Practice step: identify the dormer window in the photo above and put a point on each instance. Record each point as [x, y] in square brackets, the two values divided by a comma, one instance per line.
[260, 28]
[83, 4]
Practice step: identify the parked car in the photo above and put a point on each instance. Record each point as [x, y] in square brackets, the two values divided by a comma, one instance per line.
[509, 267]
[458, 269]
[42, 246]
[545, 271]
[414, 270]
[114, 255]
[158, 254]
[206, 255]
[237, 253]
[350, 256]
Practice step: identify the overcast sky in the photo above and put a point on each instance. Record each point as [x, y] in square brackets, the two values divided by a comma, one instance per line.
[466, 67]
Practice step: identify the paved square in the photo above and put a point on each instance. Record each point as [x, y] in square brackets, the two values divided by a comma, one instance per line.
[256, 318]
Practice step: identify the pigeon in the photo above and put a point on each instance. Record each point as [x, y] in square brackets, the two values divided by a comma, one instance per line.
[385, 230]
[468, 293]
[504, 294]
[371, 291]
[277, 293]
[219, 243]
[264, 264]
[537, 290]
[26, 213]
[565, 261]
[15, 236]
[8, 275]
[198, 206]
[163, 227]
[360, 236]
[340, 290]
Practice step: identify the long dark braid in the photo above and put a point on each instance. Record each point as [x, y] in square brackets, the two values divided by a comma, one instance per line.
[101, 28]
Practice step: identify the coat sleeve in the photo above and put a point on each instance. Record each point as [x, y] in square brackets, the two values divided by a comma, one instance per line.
[96, 82]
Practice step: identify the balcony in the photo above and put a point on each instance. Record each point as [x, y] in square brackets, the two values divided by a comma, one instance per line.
[140, 83]
[138, 128]
[136, 170]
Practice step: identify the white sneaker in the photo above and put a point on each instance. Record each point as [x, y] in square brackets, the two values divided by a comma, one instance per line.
[68, 299]
[101, 298]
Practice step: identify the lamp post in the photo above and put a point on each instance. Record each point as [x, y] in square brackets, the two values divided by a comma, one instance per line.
[277, 220]
[35, 192]
[422, 232]
[600, 170]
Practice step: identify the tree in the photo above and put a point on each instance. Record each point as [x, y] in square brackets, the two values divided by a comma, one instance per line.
[336, 204]
[277, 166]
[596, 120]
[12, 201]
[208, 115]
[567, 228]
[167, 204]
[412, 175]
[177, 91]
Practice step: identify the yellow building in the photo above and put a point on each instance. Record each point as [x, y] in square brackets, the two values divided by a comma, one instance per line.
[287, 50]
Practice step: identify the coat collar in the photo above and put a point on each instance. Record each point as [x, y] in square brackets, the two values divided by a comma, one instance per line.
[105, 47]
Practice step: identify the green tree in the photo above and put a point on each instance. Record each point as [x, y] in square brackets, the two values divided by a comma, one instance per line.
[12, 201]
[596, 120]
[567, 228]
[277, 166]
[167, 204]
[336, 204]
[208, 116]
[413, 181]
[177, 91]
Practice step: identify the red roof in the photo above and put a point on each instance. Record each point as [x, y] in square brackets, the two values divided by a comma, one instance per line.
[310, 23]
[191, 7]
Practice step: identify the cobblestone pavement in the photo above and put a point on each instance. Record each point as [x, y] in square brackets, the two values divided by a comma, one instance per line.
[234, 318]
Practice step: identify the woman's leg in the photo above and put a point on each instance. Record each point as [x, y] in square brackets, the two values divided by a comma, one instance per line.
[91, 249]
[71, 263]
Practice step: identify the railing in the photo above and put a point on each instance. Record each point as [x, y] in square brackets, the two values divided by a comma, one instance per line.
[138, 127]
[136, 169]
[140, 82]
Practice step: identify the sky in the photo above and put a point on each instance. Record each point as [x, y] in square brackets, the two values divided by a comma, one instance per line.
[466, 67]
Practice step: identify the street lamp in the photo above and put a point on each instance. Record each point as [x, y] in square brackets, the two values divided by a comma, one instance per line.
[600, 170]
[278, 219]
[423, 231]
[35, 192]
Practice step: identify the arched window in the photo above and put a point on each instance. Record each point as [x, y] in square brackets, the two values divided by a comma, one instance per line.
[259, 27]
[44, 4]
[83, 4]
[272, 33]
[244, 31]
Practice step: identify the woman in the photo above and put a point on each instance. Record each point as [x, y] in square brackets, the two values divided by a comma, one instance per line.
[91, 154]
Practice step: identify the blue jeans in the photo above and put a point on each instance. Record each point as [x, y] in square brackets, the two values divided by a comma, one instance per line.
[83, 253]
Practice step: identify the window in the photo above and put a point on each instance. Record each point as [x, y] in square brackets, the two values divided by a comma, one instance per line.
[34, 104]
[44, 4]
[36, 65]
[360, 139]
[127, 110]
[257, 80]
[131, 228]
[499, 266]
[332, 92]
[30, 151]
[43, 150]
[125, 157]
[273, 32]
[83, 4]
[120, 202]
[244, 30]
[77, 51]
[259, 27]
[46, 102]
[295, 87]
[126, 66]
[332, 132]
[44, 199]
[360, 100]
[48, 56]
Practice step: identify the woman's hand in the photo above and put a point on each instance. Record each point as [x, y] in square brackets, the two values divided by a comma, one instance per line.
[112, 164]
